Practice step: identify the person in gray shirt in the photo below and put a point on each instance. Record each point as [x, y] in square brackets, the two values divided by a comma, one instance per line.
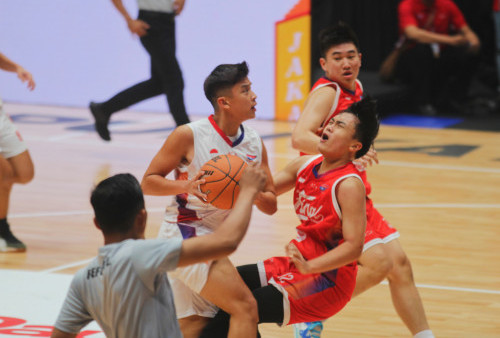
[125, 288]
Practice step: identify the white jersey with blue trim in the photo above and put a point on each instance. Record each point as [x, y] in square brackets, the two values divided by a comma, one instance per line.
[210, 141]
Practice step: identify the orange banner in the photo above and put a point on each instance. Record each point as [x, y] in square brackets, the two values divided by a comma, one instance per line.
[293, 66]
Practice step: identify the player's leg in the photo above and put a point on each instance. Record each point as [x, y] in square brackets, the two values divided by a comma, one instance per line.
[16, 169]
[269, 301]
[405, 296]
[373, 267]
[192, 326]
[226, 289]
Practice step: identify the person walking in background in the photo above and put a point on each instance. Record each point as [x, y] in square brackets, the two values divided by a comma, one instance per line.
[155, 26]
[16, 165]
[438, 57]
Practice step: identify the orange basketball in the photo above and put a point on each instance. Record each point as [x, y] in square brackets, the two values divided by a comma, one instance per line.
[222, 174]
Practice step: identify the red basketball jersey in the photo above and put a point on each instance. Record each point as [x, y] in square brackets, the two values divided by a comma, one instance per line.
[317, 207]
[343, 97]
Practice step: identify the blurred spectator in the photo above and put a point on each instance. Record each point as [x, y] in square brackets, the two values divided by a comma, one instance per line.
[438, 60]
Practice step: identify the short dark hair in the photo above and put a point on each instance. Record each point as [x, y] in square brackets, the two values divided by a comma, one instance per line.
[368, 125]
[336, 35]
[223, 77]
[116, 201]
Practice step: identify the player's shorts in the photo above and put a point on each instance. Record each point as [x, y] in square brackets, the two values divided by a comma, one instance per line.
[308, 298]
[11, 142]
[378, 230]
[187, 282]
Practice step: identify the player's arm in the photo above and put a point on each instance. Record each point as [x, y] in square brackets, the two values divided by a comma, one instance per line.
[226, 238]
[285, 179]
[424, 36]
[266, 200]
[10, 66]
[177, 149]
[316, 110]
[60, 334]
[368, 159]
[352, 200]
[472, 39]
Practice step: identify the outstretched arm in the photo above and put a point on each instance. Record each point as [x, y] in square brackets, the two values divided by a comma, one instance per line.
[229, 234]
[10, 66]
[285, 179]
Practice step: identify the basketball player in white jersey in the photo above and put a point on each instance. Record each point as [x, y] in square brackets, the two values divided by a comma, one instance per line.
[197, 289]
[16, 165]
[125, 288]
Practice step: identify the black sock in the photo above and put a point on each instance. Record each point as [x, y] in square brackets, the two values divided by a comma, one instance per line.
[4, 226]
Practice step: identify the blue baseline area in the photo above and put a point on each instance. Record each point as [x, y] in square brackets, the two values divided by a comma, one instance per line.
[418, 121]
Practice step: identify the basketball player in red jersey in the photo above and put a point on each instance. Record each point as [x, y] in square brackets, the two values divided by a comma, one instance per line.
[317, 278]
[197, 289]
[383, 257]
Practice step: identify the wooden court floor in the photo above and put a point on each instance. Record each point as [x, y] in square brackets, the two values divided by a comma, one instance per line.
[439, 187]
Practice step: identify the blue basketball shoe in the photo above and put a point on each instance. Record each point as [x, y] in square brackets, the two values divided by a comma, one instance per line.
[308, 330]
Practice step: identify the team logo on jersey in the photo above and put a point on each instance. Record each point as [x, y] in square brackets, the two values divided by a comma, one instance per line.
[322, 187]
[305, 211]
[214, 151]
[251, 157]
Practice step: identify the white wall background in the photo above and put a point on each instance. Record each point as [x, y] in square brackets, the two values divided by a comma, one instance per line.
[81, 50]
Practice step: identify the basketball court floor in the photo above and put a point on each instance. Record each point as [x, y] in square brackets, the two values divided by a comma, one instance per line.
[437, 182]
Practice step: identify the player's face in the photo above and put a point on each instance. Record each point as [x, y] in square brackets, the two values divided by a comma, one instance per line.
[341, 64]
[337, 140]
[243, 100]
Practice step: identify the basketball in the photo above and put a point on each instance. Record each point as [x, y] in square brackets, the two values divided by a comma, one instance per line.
[222, 174]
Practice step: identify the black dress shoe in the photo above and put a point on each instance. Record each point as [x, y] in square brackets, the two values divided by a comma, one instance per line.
[101, 120]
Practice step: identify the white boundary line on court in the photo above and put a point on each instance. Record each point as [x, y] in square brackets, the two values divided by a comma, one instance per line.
[423, 286]
[451, 288]
[287, 207]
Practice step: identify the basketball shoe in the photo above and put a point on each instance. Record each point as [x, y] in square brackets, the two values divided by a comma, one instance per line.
[9, 242]
[308, 330]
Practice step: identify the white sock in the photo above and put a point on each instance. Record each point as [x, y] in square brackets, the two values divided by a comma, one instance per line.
[424, 334]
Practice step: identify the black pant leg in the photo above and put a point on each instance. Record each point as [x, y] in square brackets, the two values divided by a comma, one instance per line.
[415, 67]
[457, 67]
[135, 94]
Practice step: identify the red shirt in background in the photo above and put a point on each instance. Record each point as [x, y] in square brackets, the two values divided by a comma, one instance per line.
[415, 13]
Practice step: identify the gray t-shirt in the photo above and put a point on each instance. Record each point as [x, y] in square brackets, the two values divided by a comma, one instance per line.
[156, 5]
[125, 290]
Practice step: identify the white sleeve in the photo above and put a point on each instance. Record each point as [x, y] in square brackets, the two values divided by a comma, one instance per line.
[73, 316]
[153, 256]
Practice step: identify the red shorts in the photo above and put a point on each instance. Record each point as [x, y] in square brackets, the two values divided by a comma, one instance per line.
[378, 230]
[311, 297]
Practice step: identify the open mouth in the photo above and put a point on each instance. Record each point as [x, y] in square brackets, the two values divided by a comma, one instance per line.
[324, 137]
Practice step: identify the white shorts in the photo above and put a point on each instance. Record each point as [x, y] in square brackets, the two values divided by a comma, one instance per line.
[187, 282]
[11, 142]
